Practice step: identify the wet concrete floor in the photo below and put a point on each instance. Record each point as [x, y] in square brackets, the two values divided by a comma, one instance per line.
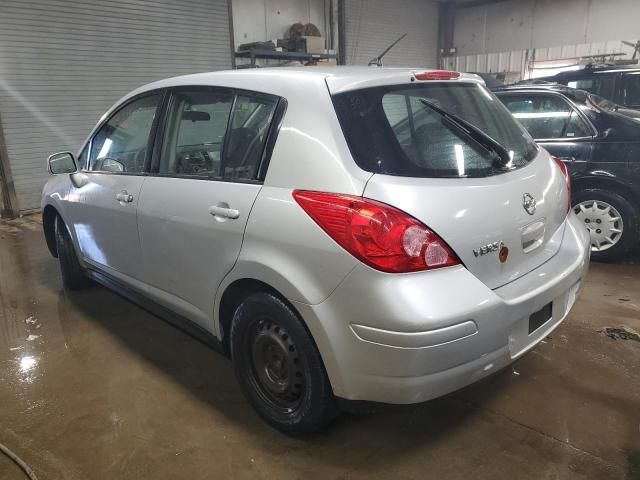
[93, 387]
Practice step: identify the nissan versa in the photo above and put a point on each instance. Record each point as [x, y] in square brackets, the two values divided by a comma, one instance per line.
[346, 235]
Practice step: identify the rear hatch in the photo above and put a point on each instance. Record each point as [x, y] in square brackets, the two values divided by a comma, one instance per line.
[472, 215]
[474, 199]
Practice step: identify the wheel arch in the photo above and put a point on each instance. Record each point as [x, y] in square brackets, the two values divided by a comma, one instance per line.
[49, 214]
[627, 194]
[239, 289]
[605, 183]
[233, 295]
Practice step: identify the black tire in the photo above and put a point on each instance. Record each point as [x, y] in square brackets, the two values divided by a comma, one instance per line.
[630, 220]
[294, 394]
[73, 276]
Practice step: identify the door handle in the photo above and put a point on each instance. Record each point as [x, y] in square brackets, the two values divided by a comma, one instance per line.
[222, 210]
[124, 197]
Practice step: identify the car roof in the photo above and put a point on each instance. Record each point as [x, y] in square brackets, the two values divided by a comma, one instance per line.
[606, 68]
[270, 80]
[490, 80]
[578, 96]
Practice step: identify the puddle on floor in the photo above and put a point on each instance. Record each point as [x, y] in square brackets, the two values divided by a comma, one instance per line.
[621, 333]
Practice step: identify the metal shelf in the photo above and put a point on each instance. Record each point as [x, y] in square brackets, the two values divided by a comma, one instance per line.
[254, 54]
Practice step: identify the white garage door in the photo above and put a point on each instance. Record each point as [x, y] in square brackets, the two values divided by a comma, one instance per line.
[64, 62]
[372, 25]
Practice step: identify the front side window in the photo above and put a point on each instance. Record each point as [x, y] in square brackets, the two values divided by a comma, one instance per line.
[390, 130]
[82, 158]
[212, 133]
[120, 146]
[546, 116]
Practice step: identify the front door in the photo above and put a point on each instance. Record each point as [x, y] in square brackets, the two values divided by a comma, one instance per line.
[194, 206]
[104, 198]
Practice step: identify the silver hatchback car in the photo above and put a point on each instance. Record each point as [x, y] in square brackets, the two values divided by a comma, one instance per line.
[346, 235]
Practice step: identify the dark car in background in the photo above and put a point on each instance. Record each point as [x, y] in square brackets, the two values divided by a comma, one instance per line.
[619, 84]
[601, 148]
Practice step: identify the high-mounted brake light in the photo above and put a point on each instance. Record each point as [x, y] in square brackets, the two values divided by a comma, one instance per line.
[379, 235]
[565, 174]
[437, 75]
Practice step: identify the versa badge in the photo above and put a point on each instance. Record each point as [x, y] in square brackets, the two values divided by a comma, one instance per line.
[489, 248]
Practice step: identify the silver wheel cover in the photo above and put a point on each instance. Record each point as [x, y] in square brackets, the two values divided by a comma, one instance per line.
[603, 222]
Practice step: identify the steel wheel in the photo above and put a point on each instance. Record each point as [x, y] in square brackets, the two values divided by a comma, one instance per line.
[276, 366]
[603, 221]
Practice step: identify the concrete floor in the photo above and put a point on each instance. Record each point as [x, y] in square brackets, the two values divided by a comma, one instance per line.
[91, 386]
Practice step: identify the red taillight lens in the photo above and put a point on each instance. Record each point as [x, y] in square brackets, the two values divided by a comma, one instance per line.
[565, 174]
[381, 236]
[437, 75]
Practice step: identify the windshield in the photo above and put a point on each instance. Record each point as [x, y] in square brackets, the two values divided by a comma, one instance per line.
[390, 130]
[473, 132]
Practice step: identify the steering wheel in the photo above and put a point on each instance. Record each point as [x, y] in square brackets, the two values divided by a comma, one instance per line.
[111, 161]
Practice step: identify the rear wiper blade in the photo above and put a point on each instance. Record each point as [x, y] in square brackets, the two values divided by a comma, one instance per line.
[480, 137]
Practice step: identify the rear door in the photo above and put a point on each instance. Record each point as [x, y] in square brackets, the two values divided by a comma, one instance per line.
[104, 198]
[195, 205]
[554, 124]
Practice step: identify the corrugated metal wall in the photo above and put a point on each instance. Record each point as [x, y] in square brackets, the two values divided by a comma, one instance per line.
[372, 25]
[525, 24]
[64, 62]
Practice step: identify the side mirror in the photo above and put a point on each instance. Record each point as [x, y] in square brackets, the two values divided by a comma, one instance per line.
[62, 163]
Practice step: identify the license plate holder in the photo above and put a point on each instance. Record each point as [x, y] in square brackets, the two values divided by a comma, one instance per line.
[539, 318]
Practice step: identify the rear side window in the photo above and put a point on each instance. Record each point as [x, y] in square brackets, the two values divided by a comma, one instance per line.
[600, 84]
[585, 84]
[546, 116]
[214, 133]
[390, 130]
[195, 132]
[248, 129]
[631, 90]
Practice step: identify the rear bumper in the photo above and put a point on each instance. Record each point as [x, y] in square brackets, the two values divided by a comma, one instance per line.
[409, 338]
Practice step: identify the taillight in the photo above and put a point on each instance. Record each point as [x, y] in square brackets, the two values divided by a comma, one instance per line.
[565, 174]
[437, 75]
[379, 235]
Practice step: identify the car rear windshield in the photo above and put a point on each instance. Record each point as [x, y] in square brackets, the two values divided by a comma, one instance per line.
[390, 130]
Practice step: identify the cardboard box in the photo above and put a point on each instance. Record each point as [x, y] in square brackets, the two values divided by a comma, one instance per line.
[293, 44]
[314, 44]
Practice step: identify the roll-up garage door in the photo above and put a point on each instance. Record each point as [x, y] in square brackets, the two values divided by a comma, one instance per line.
[372, 25]
[63, 63]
